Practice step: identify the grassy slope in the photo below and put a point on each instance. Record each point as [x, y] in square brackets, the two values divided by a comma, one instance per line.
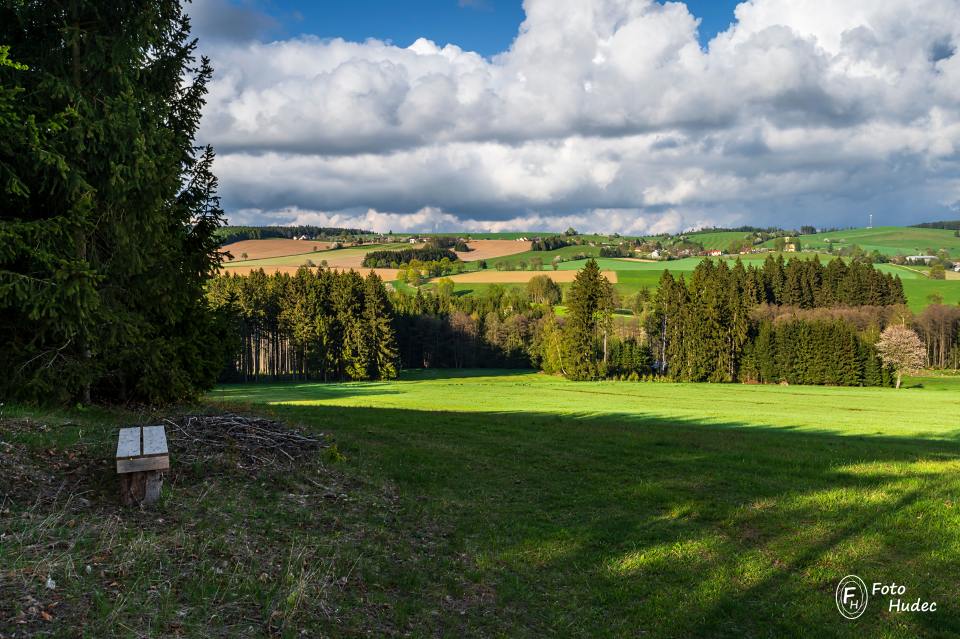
[504, 504]
[920, 412]
[717, 239]
[888, 240]
[547, 256]
[618, 509]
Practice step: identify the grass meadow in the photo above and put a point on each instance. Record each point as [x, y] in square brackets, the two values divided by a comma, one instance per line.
[499, 503]
[623, 509]
[888, 240]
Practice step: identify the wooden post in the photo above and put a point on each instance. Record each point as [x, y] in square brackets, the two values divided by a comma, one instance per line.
[142, 456]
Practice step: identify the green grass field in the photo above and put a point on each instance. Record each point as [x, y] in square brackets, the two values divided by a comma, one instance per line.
[499, 503]
[888, 240]
[717, 239]
[567, 252]
[618, 509]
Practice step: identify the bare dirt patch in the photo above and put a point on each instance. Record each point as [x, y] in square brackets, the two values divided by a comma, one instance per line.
[488, 249]
[520, 277]
[274, 247]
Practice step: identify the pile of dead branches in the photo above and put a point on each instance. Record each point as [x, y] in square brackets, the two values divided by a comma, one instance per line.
[254, 441]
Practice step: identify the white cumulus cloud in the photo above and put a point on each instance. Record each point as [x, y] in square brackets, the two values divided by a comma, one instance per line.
[605, 115]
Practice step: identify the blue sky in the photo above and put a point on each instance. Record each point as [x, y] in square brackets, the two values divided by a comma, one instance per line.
[484, 26]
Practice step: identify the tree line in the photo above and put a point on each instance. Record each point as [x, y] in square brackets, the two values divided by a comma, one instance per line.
[231, 234]
[393, 258]
[706, 329]
[552, 243]
[949, 225]
[324, 325]
[809, 284]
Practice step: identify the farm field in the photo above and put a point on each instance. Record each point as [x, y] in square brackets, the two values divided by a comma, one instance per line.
[273, 247]
[489, 249]
[351, 257]
[888, 240]
[717, 239]
[567, 252]
[657, 509]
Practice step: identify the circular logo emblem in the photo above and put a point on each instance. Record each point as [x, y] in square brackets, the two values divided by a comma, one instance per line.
[852, 596]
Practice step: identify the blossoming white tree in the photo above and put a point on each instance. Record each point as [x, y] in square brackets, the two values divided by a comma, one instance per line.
[901, 348]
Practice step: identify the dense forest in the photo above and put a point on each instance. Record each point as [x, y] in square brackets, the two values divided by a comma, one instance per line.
[784, 322]
[706, 330]
[230, 234]
[323, 324]
[108, 209]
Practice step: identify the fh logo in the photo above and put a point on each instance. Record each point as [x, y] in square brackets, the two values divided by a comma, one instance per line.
[852, 596]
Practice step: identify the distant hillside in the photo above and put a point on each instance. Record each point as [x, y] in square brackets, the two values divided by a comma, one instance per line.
[887, 240]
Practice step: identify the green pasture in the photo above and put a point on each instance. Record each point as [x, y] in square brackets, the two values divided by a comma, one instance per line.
[889, 240]
[915, 412]
[495, 504]
[616, 509]
[567, 252]
[922, 292]
[720, 240]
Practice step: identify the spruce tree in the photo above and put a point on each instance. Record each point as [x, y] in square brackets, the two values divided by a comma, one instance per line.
[380, 334]
[108, 217]
[588, 305]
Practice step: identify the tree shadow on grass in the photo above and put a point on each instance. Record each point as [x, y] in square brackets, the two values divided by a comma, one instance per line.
[616, 525]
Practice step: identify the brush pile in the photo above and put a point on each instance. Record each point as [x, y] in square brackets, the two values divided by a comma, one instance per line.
[255, 442]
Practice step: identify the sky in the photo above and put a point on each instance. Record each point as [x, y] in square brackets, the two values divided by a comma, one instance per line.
[628, 116]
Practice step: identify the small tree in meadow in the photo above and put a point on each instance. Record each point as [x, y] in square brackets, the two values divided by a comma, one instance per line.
[902, 349]
[541, 289]
[445, 288]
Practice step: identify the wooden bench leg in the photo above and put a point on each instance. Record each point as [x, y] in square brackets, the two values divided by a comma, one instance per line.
[141, 488]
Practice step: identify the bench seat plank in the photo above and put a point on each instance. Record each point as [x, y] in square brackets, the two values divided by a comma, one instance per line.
[128, 444]
[154, 441]
[143, 464]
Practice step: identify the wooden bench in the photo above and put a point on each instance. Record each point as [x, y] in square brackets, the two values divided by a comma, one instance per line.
[142, 455]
